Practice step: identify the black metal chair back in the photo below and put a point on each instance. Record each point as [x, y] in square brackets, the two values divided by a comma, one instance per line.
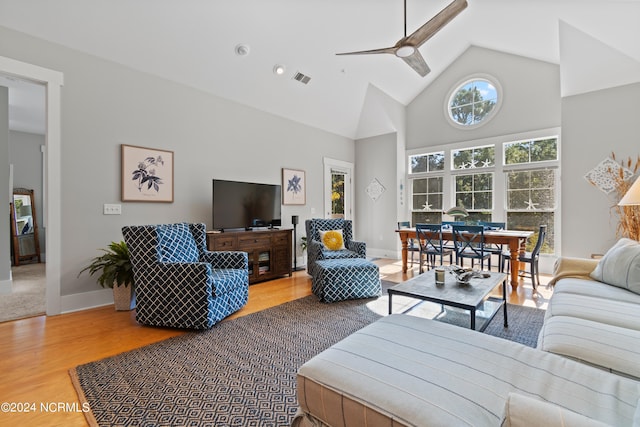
[531, 258]
[429, 238]
[542, 234]
[469, 243]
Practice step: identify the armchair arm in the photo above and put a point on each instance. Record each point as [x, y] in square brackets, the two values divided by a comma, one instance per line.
[579, 268]
[314, 250]
[175, 294]
[358, 247]
[227, 259]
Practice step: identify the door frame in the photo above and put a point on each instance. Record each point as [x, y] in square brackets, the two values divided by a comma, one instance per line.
[52, 190]
[348, 169]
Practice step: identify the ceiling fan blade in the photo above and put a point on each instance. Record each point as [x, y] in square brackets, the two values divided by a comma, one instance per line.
[435, 24]
[417, 62]
[371, 52]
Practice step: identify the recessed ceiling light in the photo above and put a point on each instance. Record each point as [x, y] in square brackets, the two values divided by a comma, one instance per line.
[279, 69]
[242, 50]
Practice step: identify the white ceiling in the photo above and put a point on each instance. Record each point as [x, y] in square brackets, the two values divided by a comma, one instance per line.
[192, 42]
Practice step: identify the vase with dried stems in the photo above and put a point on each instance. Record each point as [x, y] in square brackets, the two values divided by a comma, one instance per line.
[628, 216]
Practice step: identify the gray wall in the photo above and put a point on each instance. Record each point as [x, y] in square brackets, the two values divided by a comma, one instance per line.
[26, 156]
[105, 104]
[5, 232]
[376, 220]
[531, 99]
[593, 126]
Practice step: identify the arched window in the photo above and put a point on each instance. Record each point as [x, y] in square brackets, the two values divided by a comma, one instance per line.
[473, 102]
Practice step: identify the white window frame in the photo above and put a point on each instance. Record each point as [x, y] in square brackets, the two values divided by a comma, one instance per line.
[456, 87]
[499, 182]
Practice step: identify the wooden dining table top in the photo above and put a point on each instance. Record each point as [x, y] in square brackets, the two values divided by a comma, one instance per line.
[515, 239]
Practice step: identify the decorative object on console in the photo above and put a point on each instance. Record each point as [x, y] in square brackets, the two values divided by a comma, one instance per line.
[294, 187]
[147, 174]
[617, 179]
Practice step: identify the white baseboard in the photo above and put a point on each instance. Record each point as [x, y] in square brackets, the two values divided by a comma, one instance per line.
[5, 286]
[85, 300]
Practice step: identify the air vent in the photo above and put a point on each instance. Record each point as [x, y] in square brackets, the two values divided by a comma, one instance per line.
[301, 78]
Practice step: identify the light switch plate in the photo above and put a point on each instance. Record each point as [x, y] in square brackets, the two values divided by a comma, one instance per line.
[112, 209]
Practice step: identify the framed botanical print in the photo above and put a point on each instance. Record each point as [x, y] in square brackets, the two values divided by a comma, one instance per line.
[147, 174]
[293, 187]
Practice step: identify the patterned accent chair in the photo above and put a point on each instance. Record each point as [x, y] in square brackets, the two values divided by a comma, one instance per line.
[317, 252]
[178, 282]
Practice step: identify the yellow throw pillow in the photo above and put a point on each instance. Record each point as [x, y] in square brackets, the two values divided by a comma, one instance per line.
[332, 240]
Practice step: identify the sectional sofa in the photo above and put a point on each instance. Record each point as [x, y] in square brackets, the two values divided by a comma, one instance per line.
[594, 313]
[409, 371]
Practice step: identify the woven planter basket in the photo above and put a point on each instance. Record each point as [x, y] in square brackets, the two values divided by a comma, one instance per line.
[124, 298]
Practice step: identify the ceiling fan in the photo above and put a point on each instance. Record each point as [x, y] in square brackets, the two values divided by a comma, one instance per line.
[407, 47]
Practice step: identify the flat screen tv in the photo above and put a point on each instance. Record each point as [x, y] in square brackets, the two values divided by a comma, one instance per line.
[245, 205]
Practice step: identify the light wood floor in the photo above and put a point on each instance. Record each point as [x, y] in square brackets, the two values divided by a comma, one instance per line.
[36, 353]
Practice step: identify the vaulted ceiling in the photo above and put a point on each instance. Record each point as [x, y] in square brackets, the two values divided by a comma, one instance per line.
[193, 42]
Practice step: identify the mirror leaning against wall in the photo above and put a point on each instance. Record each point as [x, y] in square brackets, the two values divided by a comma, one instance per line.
[25, 242]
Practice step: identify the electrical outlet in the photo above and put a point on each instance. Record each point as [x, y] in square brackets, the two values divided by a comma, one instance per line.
[112, 209]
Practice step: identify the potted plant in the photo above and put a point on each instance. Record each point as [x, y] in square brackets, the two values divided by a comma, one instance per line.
[116, 272]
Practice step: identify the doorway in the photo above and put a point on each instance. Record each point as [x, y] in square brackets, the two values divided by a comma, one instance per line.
[338, 189]
[51, 224]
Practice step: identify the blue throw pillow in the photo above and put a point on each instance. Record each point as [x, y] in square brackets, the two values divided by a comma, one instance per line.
[176, 243]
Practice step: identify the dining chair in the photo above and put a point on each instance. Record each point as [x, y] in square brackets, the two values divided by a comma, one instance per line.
[429, 238]
[469, 243]
[411, 243]
[530, 258]
[494, 248]
[447, 225]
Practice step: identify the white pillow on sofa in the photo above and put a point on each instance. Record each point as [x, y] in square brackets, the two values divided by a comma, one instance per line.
[620, 266]
[525, 411]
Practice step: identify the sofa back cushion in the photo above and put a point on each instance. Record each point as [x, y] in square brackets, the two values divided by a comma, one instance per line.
[620, 266]
[176, 243]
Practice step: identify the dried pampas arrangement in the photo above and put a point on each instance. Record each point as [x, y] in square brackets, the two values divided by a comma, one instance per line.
[628, 216]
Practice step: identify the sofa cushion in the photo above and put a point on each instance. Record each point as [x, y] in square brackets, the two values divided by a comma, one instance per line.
[617, 313]
[332, 240]
[176, 243]
[525, 411]
[620, 266]
[595, 289]
[610, 347]
[410, 370]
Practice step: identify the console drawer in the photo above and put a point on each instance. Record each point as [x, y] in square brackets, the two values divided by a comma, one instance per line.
[224, 243]
[280, 239]
[254, 242]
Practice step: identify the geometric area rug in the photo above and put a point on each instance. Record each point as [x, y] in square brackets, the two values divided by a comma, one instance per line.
[242, 372]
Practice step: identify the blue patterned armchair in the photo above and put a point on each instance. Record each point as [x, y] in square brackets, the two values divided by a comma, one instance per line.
[178, 282]
[316, 250]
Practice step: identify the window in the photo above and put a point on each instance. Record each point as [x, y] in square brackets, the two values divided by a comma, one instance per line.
[474, 192]
[509, 180]
[426, 162]
[473, 101]
[530, 151]
[427, 200]
[478, 157]
[531, 193]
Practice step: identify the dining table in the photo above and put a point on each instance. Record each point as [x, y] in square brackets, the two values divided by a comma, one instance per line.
[514, 239]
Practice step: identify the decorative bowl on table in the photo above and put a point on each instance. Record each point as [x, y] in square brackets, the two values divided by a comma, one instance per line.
[464, 275]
